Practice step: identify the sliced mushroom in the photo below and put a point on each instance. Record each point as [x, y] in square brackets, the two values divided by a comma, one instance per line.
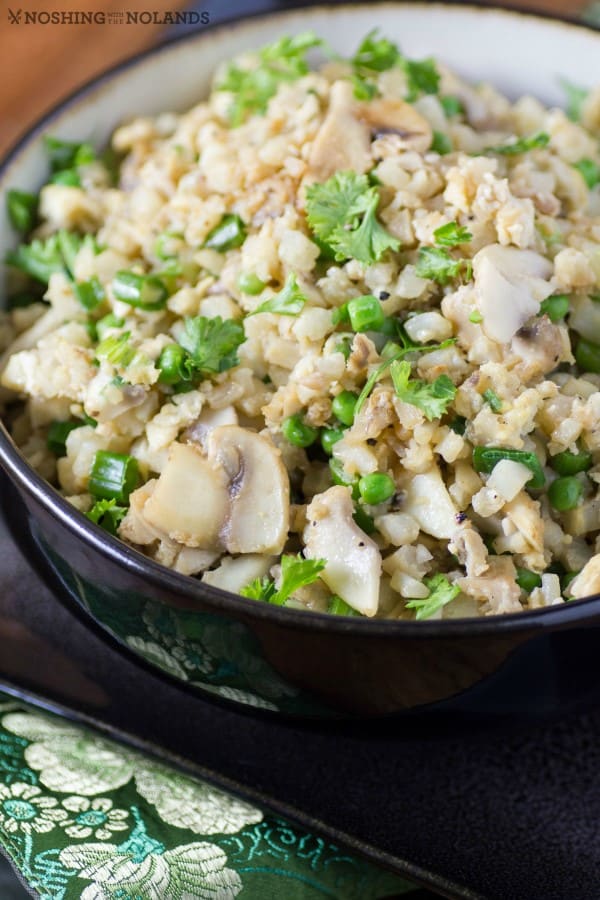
[258, 487]
[190, 501]
[541, 347]
[343, 141]
[390, 115]
[353, 567]
[427, 500]
[208, 420]
[510, 284]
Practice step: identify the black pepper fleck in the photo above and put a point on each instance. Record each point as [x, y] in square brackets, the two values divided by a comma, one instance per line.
[460, 517]
[383, 295]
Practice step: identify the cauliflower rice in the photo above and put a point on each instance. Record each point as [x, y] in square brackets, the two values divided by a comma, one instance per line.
[330, 339]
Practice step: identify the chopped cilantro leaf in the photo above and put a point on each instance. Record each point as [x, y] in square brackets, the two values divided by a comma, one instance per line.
[422, 77]
[342, 214]
[363, 88]
[41, 259]
[441, 592]
[22, 209]
[296, 572]
[437, 264]
[375, 54]
[212, 343]
[107, 514]
[451, 105]
[252, 88]
[576, 96]
[440, 143]
[451, 235]
[432, 398]
[521, 145]
[288, 302]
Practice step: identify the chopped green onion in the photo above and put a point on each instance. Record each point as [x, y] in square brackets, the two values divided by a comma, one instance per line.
[493, 400]
[486, 458]
[227, 235]
[376, 487]
[68, 178]
[567, 463]
[175, 365]
[250, 283]
[107, 323]
[161, 244]
[107, 514]
[587, 356]
[528, 580]
[555, 307]
[113, 476]
[365, 313]
[58, 433]
[297, 432]
[145, 292]
[66, 154]
[343, 407]
[459, 425]
[339, 607]
[116, 349]
[90, 293]
[22, 209]
[521, 145]
[565, 493]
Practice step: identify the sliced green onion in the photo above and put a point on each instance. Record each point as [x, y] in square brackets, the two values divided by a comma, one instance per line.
[107, 323]
[565, 493]
[160, 245]
[555, 307]
[339, 607]
[493, 400]
[486, 458]
[227, 235]
[22, 210]
[567, 463]
[90, 293]
[116, 349]
[58, 433]
[67, 177]
[145, 292]
[113, 476]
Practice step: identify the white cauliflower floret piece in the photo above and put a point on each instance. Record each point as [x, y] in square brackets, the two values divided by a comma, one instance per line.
[60, 365]
[497, 586]
[588, 580]
[468, 546]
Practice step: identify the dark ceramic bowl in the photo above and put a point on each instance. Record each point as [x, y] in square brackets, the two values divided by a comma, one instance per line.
[253, 654]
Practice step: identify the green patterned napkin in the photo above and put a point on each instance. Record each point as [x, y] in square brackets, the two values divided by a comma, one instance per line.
[85, 817]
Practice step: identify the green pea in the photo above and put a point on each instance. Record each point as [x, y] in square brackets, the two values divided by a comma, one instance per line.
[329, 437]
[441, 143]
[565, 493]
[365, 313]
[297, 432]
[528, 580]
[376, 488]
[567, 463]
[171, 363]
[343, 407]
[250, 283]
[555, 307]
[587, 356]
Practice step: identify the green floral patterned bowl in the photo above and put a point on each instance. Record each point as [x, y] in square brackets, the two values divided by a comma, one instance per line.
[254, 654]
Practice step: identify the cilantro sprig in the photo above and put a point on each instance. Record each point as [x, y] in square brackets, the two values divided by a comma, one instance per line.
[432, 398]
[436, 264]
[288, 302]
[252, 88]
[42, 258]
[207, 346]
[107, 514]
[342, 214]
[296, 572]
[451, 235]
[441, 592]
[378, 54]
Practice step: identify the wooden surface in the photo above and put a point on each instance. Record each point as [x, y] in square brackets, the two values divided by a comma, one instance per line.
[40, 63]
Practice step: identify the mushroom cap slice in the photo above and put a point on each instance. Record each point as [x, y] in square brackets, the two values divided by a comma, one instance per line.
[190, 501]
[353, 567]
[510, 285]
[258, 488]
[391, 115]
[343, 141]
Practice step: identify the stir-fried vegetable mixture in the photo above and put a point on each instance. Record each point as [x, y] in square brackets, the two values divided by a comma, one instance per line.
[329, 340]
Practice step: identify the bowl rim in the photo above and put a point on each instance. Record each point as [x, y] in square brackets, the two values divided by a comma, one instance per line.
[28, 480]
